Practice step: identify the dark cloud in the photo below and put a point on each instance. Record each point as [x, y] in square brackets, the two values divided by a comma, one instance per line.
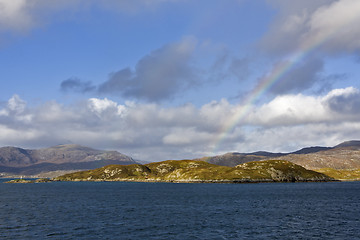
[347, 103]
[158, 76]
[76, 85]
[226, 66]
[239, 67]
[327, 82]
[300, 78]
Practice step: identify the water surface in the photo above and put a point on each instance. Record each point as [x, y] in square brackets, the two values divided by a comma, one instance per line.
[117, 210]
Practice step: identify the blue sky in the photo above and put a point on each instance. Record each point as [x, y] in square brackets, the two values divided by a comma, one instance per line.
[175, 79]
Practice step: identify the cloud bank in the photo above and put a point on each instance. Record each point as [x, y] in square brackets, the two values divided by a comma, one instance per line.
[152, 132]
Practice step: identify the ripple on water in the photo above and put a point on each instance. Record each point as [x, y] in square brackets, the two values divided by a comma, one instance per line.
[180, 211]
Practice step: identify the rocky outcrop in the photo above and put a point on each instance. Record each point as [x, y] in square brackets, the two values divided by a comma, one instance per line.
[40, 180]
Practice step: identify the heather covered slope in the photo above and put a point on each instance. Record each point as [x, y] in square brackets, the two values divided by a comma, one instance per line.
[200, 171]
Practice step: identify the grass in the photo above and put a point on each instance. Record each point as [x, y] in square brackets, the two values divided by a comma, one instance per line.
[197, 171]
[341, 174]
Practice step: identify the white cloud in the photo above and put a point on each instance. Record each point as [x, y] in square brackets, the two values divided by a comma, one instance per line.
[302, 25]
[337, 24]
[153, 132]
[289, 110]
[186, 136]
[14, 14]
[16, 104]
[300, 109]
[99, 106]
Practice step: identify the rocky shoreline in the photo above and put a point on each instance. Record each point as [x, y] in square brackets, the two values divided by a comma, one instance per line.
[239, 181]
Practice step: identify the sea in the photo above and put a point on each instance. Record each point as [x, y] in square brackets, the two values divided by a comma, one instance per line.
[125, 210]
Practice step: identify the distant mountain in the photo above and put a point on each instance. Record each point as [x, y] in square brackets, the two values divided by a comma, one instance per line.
[310, 150]
[353, 144]
[266, 154]
[200, 171]
[232, 159]
[15, 160]
[336, 158]
[345, 155]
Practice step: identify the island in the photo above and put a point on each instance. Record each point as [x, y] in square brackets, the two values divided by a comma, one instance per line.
[191, 171]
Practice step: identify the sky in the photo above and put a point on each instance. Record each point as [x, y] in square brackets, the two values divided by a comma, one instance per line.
[179, 79]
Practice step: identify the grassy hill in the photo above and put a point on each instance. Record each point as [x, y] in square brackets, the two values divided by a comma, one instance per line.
[342, 174]
[200, 171]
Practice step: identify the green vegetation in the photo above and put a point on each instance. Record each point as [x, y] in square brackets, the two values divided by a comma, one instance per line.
[341, 174]
[200, 171]
[20, 180]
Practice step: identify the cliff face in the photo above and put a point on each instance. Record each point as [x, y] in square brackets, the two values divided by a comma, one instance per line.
[200, 171]
[62, 157]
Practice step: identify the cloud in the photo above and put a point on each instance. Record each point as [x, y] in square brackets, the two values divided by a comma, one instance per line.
[168, 72]
[133, 6]
[226, 66]
[153, 132]
[105, 106]
[16, 104]
[160, 75]
[301, 77]
[287, 110]
[23, 15]
[330, 25]
[338, 105]
[14, 15]
[337, 24]
[77, 85]
[344, 101]
[304, 34]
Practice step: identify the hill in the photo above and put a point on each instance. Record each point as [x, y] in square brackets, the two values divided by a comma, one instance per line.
[342, 156]
[20, 161]
[232, 159]
[199, 171]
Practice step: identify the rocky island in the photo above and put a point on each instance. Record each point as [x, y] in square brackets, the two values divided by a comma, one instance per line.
[192, 171]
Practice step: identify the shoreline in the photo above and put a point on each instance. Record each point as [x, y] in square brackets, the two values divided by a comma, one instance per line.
[240, 181]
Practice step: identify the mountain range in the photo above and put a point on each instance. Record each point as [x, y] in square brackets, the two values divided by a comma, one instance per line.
[60, 158]
[335, 161]
[342, 156]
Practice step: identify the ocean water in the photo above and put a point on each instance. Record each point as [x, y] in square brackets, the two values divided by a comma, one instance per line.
[117, 210]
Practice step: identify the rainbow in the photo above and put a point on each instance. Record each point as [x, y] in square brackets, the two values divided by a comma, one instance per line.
[278, 71]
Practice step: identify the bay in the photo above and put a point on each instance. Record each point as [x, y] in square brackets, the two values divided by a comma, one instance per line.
[123, 210]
